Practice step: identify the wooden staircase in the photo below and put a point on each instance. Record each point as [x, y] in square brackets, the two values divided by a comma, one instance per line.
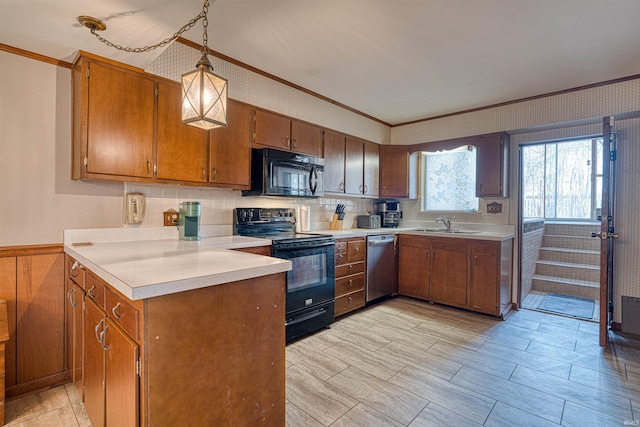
[569, 261]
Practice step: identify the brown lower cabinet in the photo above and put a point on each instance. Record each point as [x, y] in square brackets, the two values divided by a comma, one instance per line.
[200, 357]
[467, 273]
[350, 256]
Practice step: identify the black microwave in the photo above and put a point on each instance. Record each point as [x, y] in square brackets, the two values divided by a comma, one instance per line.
[283, 173]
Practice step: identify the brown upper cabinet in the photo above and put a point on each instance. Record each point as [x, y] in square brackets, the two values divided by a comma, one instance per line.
[230, 149]
[182, 149]
[113, 121]
[398, 170]
[281, 132]
[362, 166]
[492, 165]
[334, 143]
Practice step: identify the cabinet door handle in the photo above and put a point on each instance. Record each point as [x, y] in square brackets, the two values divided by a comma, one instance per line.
[295, 143]
[342, 186]
[98, 326]
[427, 256]
[366, 189]
[384, 190]
[89, 292]
[104, 331]
[476, 261]
[148, 167]
[361, 188]
[215, 172]
[287, 142]
[113, 310]
[70, 295]
[203, 173]
[481, 188]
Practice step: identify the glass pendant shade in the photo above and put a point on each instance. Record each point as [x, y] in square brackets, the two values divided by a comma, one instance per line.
[204, 97]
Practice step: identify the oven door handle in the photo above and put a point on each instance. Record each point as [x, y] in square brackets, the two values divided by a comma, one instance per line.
[297, 248]
[308, 316]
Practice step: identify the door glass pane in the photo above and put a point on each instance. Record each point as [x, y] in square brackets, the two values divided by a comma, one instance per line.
[533, 178]
[573, 180]
[550, 181]
[599, 157]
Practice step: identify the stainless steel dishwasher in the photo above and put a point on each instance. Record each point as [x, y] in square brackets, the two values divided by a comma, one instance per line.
[380, 266]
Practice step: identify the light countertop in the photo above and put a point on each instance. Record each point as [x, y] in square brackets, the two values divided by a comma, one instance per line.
[486, 233]
[142, 269]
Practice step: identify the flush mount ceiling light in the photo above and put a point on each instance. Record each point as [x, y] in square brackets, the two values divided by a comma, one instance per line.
[204, 94]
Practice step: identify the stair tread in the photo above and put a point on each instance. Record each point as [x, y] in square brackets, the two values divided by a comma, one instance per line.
[567, 281]
[581, 251]
[569, 264]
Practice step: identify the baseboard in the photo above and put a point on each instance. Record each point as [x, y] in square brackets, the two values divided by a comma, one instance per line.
[38, 385]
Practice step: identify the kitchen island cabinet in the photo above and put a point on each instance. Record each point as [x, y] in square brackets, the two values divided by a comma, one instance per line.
[474, 274]
[186, 353]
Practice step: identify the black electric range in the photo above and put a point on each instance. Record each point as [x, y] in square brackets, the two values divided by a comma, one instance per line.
[310, 284]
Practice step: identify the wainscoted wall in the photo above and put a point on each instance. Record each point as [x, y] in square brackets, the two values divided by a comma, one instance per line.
[532, 232]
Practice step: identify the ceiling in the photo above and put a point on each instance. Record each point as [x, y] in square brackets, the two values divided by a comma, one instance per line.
[397, 61]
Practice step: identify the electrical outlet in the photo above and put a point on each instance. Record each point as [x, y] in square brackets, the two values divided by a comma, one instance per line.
[170, 218]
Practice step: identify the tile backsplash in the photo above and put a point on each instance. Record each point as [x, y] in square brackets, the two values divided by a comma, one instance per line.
[217, 206]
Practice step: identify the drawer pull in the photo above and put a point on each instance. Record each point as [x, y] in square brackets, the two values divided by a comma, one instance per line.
[350, 267]
[113, 310]
[75, 269]
[350, 299]
[89, 292]
[350, 282]
[357, 249]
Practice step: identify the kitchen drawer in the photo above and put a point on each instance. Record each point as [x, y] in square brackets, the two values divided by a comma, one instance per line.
[349, 269]
[450, 244]
[356, 250]
[123, 314]
[78, 274]
[340, 258]
[341, 246]
[349, 302]
[485, 247]
[414, 241]
[95, 289]
[349, 284]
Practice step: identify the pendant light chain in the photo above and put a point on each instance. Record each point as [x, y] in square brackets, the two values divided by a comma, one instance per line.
[186, 27]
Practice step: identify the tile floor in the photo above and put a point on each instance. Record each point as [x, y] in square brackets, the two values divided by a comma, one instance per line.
[534, 298]
[409, 363]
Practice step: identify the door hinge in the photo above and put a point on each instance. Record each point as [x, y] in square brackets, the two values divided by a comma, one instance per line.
[613, 155]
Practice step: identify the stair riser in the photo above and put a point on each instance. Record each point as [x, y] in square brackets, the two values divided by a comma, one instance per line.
[566, 289]
[570, 230]
[574, 257]
[575, 273]
[590, 244]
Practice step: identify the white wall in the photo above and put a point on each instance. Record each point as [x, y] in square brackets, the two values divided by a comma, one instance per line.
[37, 198]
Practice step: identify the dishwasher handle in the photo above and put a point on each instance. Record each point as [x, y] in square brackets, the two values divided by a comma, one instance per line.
[380, 241]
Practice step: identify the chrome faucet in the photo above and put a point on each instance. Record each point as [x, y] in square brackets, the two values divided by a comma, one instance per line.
[446, 221]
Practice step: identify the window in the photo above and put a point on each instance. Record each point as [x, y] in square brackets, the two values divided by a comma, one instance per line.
[449, 180]
[562, 179]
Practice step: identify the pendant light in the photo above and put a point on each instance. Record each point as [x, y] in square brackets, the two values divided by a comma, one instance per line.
[204, 94]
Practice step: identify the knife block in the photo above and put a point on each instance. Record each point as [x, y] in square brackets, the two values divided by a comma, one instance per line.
[336, 224]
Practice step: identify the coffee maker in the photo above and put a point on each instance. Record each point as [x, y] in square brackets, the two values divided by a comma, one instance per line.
[389, 211]
[189, 221]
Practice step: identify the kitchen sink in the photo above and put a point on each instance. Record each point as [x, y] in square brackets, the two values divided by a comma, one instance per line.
[444, 231]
